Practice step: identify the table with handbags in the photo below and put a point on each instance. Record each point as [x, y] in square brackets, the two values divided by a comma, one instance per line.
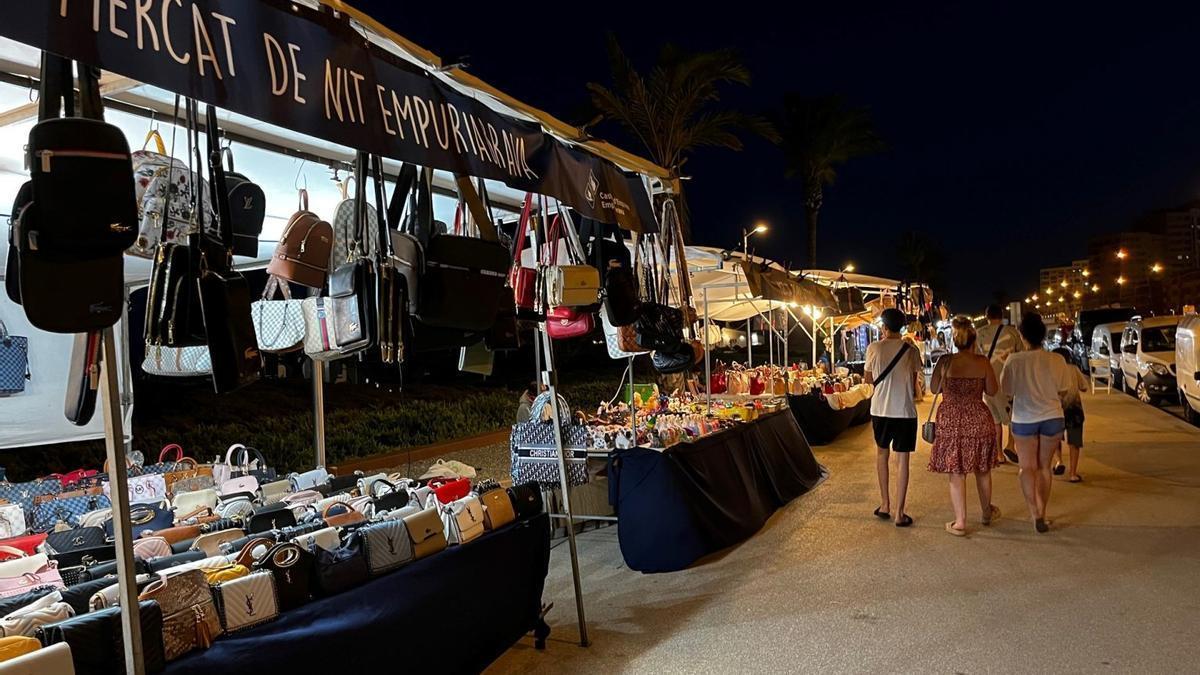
[230, 557]
[678, 505]
[822, 423]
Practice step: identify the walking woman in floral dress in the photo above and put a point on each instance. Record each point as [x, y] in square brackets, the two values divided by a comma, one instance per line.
[966, 434]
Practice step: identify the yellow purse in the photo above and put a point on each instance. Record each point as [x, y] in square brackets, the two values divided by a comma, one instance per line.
[219, 575]
[12, 647]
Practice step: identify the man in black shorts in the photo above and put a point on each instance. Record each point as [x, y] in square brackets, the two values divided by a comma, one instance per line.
[893, 366]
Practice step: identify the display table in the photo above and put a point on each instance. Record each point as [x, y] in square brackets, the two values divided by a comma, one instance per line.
[822, 424]
[678, 505]
[453, 612]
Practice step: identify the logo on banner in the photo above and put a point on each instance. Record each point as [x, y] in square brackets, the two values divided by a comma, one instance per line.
[590, 190]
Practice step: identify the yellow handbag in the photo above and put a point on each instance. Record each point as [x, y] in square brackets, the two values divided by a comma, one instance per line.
[12, 647]
[219, 575]
[497, 509]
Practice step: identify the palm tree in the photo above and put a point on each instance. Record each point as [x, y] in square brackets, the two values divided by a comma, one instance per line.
[819, 135]
[922, 258]
[675, 108]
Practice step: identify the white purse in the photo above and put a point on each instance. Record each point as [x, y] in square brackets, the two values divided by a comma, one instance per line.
[463, 519]
[367, 482]
[12, 521]
[326, 538]
[149, 488]
[177, 361]
[190, 501]
[25, 621]
[238, 485]
[275, 491]
[248, 601]
[320, 341]
[96, 518]
[309, 479]
[278, 324]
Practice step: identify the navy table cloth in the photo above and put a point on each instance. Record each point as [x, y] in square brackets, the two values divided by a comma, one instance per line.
[691, 500]
[820, 423]
[454, 612]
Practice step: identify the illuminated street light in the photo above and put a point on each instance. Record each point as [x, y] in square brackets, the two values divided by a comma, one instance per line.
[1028, 300]
[1078, 295]
[1120, 281]
[1049, 290]
[1086, 273]
[1095, 288]
[1156, 268]
[759, 228]
[1063, 283]
[848, 268]
[1122, 254]
[1035, 296]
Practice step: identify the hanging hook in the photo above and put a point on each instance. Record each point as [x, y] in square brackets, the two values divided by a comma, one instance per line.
[299, 174]
[33, 91]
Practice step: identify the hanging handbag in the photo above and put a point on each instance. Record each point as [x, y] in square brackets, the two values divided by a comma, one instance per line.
[387, 546]
[304, 248]
[616, 338]
[352, 284]
[190, 620]
[168, 197]
[246, 602]
[320, 337]
[177, 362]
[340, 569]
[526, 499]
[292, 568]
[278, 324]
[621, 303]
[248, 209]
[427, 532]
[14, 362]
[564, 322]
[678, 360]
[390, 307]
[497, 509]
[12, 521]
[83, 379]
[524, 280]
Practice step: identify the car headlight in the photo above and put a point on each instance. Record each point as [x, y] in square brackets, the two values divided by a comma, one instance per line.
[1159, 369]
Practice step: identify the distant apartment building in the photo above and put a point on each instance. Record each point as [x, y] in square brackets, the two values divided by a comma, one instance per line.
[1062, 289]
[1180, 228]
[1127, 269]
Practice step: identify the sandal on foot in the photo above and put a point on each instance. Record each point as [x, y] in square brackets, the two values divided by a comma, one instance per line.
[1059, 469]
[1075, 479]
[992, 514]
[905, 521]
[954, 530]
[882, 514]
[1041, 526]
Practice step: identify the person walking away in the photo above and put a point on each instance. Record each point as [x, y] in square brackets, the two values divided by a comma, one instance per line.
[997, 342]
[965, 441]
[893, 367]
[1073, 417]
[525, 402]
[1036, 380]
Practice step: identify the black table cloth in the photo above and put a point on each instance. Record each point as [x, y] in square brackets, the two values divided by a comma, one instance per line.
[678, 505]
[820, 423]
[454, 612]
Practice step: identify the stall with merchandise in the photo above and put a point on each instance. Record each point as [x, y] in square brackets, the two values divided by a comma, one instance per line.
[186, 565]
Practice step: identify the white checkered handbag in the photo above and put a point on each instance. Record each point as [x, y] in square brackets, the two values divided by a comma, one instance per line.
[278, 324]
[14, 362]
[247, 602]
[612, 340]
[177, 361]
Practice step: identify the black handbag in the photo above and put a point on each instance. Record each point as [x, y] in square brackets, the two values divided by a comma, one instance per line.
[169, 561]
[352, 284]
[109, 569]
[342, 483]
[271, 517]
[145, 518]
[80, 538]
[391, 305]
[621, 296]
[247, 209]
[80, 595]
[526, 499]
[224, 293]
[13, 603]
[12, 272]
[292, 568]
[83, 379]
[341, 569]
[95, 640]
[394, 499]
[676, 360]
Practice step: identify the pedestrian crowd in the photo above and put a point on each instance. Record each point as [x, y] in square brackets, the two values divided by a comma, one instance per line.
[997, 376]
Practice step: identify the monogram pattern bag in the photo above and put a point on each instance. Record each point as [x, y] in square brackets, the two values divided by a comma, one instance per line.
[614, 341]
[177, 361]
[14, 362]
[247, 602]
[320, 339]
[67, 510]
[146, 489]
[190, 620]
[24, 494]
[278, 324]
[388, 546]
[12, 521]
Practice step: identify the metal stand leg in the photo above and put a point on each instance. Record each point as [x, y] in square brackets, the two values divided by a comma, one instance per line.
[318, 396]
[114, 444]
[551, 382]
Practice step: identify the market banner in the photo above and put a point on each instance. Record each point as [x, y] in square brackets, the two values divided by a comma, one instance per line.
[311, 72]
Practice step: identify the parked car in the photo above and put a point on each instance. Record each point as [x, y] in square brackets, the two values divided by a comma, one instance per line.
[1106, 344]
[1087, 320]
[1148, 358]
[1187, 366]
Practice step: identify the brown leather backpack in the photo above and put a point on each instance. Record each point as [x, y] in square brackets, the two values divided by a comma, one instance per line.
[302, 254]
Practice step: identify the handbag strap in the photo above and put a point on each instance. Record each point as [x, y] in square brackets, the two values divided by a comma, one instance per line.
[167, 448]
[479, 212]
[995, 340]
[13, 551]
[245, 557]
[216, 187]
[522, 226]
[358, 246]
[904, 347]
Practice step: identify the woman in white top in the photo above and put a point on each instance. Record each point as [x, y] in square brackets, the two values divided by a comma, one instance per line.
[1036, 380]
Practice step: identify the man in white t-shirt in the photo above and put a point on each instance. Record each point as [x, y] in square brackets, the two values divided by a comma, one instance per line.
[893, 366]
[998, 342]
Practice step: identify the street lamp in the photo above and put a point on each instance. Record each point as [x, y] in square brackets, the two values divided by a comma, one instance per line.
[1095, 288]
[1122, 254]
[848, 268]
[1087, 273]
[1049, 290]
[1077, 295]
[1035, 296]
[759, 228]
[1157, 268]
[1063, 283]
[1120, 281]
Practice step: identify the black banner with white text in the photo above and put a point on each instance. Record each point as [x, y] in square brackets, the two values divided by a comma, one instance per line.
[310, 72]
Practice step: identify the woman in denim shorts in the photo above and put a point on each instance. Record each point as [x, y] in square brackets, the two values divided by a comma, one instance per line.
[1036, 380]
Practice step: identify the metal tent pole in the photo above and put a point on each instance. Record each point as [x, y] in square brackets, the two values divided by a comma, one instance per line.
[707, 355]
[126, 371]
[114, 445]
[771, 336]
[749, 345]
[551, 382]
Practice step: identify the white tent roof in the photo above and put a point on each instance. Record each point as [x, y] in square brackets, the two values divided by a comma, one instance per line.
[861, 281]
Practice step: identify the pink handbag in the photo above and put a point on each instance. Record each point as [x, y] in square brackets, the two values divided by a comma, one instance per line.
[149, 548]
[24, 574]
[239, 484]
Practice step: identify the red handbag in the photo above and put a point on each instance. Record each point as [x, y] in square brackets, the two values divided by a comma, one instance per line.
[757, 385]
[719, 382]
[448, 491]
[523, 279]
[28, 544]
[567, 322]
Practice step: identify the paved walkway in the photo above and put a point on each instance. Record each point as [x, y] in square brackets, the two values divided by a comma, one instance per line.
[826, 587]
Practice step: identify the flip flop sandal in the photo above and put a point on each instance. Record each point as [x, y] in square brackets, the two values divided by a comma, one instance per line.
[882, 514]
[954, 530]
[992, 515]
[1075, 479]
[1041, 525]
[1059, 469]
[905, 521]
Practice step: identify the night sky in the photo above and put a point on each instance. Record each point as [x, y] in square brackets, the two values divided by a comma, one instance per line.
[1015, 129]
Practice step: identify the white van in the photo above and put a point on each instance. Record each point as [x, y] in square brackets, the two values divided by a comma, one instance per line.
[1187, 366]
[1106, 344]
[1148, 358]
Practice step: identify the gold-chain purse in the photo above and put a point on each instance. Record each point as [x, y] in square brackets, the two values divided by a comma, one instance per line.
[190, 619]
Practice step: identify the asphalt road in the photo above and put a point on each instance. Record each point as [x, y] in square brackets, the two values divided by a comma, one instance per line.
[825, 587]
